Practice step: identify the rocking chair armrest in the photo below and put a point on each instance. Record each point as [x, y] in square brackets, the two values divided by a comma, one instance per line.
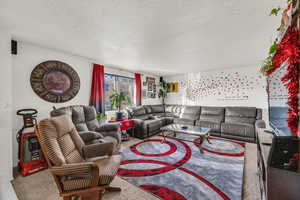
[78, 170]
[98, 149]
[86, 169]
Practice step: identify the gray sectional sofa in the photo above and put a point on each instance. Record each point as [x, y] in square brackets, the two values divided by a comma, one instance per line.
[229, 122]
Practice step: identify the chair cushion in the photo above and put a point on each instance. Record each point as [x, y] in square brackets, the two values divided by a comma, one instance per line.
[191, 112]
[63, 143]
[158, 108]
[87, 136]
[184, 121]
[108, 168]
[214, 126]
[238, 129]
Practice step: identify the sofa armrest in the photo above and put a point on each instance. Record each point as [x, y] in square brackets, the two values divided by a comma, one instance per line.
[138, 122]
[108, 127]
[98, 149]
[260, 124]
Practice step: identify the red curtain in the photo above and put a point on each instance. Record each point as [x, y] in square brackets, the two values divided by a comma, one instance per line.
[97, 90]
[138, 89]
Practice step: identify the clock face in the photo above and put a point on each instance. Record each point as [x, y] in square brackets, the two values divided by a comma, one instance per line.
[55, 81]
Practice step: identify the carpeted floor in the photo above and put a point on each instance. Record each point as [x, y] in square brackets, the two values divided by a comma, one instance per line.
[41, 185]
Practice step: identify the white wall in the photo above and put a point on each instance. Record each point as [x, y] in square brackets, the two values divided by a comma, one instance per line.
[28, 57]
[243, 86]
[5, 108]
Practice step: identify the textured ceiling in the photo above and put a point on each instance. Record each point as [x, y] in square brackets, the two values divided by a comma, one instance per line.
[158, 36]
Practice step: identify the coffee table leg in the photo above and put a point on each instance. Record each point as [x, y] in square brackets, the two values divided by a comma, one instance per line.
[164, 137]
[200, 144]
[207, 139]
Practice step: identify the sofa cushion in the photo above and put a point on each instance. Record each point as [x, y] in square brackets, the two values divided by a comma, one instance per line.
[143, 117]
[184, 121]
[212, 114]
[137, 111]
[159, 114]
[235, 137]
[167, 120]
[148, 109]
[176, 110]
[208, 110]
[214, 126]
[158, 108]
[240, 115]
[191, 112]
[238, 129]
[170, 108]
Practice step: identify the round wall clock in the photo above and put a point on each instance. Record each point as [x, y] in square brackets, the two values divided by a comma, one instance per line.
[55, 81]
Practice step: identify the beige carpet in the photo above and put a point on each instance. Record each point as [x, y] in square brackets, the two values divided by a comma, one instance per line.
[41, 186]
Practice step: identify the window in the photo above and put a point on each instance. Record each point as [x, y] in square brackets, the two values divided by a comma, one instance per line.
[119, 83]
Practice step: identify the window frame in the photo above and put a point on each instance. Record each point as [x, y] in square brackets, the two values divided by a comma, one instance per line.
[116, 88]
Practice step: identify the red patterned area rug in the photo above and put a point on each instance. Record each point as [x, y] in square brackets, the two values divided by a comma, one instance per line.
[176, 170]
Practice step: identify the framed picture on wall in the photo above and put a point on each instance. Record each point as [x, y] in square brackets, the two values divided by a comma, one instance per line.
[150, 79]
[150, 87]
[153, 95]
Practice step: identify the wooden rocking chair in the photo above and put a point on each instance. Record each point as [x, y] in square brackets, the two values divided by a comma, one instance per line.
[79, 170]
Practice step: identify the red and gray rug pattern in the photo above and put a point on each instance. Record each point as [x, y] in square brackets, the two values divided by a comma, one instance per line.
[176, 170]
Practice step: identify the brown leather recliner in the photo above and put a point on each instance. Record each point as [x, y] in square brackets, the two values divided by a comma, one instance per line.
[78, 169]
[88, 127]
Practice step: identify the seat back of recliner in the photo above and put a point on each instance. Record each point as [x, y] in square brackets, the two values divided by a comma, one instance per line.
[83, 117]
[59, 138]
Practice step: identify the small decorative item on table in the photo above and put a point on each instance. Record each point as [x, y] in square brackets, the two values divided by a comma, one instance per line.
[126, 125]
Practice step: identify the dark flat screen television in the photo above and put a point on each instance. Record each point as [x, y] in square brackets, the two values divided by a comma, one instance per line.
[278, 107]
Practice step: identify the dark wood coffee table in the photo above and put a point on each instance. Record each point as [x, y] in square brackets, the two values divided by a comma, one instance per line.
[201, 132]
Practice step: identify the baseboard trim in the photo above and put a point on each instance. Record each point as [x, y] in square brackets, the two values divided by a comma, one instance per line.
[7, 191]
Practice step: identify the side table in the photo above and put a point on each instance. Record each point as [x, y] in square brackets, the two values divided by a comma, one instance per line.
[126, 124]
